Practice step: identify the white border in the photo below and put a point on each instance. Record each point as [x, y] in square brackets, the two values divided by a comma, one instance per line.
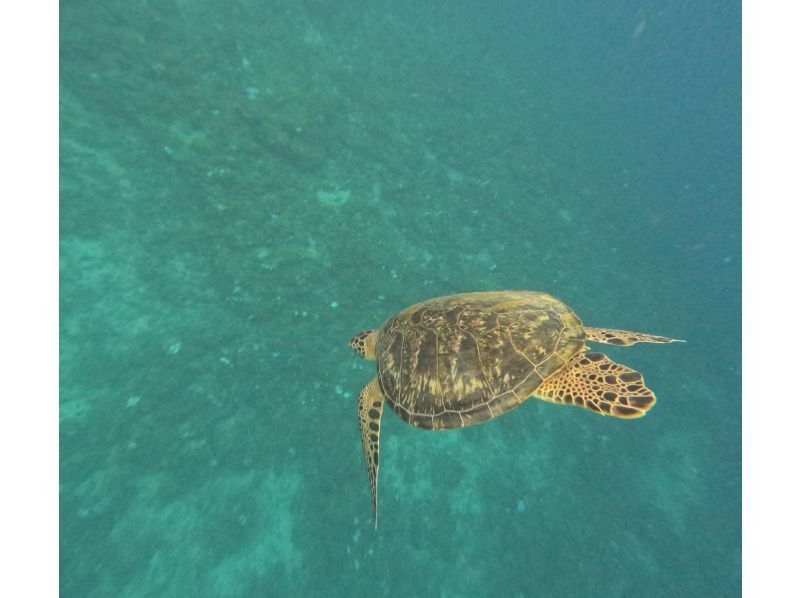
[771, 298]
[29, 298]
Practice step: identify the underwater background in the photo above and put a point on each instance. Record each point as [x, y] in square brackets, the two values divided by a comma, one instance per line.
[245, 185]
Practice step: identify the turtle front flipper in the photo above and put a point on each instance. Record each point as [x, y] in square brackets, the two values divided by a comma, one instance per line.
[364, 342]
[610, 336]
[593, 381]
[370, 407]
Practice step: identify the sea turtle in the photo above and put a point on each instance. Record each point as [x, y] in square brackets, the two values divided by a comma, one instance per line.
[459, 360]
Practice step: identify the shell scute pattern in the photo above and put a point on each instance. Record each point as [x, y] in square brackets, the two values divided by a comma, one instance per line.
[457, 361]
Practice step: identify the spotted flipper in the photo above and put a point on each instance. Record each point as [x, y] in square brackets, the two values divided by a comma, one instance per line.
[370, 407]
[593, 381]
[624, 337]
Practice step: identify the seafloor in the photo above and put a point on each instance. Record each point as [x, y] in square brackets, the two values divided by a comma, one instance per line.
[244, 185]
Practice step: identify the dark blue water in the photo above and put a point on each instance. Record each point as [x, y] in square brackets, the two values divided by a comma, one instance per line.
[246, 185]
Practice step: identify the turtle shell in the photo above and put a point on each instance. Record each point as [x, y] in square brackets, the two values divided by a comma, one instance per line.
[459, 360]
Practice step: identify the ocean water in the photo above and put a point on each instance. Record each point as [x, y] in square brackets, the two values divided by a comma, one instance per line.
[245, 185]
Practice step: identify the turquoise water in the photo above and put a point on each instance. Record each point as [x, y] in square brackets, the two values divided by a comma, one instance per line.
[245, 185]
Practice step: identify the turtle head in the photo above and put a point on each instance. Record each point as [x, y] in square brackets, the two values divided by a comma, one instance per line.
[363, 343]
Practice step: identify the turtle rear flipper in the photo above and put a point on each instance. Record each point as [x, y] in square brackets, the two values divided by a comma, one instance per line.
[611, 336]
[593, 381]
